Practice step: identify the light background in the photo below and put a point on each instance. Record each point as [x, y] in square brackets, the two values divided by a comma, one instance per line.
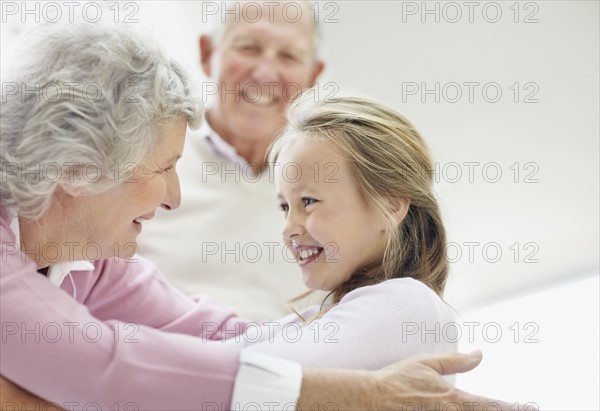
[550, 288]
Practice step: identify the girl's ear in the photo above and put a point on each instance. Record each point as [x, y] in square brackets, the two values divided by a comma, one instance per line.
[400, 208]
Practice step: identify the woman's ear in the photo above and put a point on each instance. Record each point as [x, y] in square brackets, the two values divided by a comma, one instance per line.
[72, 190]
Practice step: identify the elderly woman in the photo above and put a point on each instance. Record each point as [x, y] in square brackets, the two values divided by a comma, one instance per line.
[92, 126]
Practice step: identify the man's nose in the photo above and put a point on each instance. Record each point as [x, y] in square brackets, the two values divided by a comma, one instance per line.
[267, 68]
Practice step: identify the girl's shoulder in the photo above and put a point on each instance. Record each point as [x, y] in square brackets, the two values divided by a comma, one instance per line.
[401, 297]
[394, 288]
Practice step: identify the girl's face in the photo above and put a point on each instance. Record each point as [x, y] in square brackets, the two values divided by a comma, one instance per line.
[329, 227]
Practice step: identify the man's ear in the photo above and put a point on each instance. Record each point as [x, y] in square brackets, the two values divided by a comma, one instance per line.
[206, 53]
[317, 70]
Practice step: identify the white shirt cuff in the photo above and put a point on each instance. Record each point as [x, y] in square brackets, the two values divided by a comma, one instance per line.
[266, 383]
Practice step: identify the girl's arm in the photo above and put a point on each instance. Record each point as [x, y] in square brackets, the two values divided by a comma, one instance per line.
[370, 328]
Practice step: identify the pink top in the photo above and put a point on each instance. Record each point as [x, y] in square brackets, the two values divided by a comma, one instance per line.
[129, 340]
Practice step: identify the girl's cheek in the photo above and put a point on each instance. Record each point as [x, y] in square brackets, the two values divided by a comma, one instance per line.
[315, 230]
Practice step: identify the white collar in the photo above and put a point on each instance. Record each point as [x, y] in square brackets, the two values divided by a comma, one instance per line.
[56, 272]
[219, 145]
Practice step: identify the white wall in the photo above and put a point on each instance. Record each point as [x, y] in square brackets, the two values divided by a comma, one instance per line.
[546, 351]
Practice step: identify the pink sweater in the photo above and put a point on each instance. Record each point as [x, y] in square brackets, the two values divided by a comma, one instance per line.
[128, 341]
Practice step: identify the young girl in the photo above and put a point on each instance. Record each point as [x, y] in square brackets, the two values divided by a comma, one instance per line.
[354, 185]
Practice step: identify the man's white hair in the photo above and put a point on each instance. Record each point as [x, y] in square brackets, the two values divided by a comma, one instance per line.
[216, 24]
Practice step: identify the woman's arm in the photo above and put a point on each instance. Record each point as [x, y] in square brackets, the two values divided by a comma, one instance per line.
[56, 348]
[135, 291]
[415, 383]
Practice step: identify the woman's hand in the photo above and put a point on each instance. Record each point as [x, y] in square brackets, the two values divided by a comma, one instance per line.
[13, 397]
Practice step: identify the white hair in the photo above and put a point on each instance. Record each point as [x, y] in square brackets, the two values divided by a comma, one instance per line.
[216, 23]
[85, 96]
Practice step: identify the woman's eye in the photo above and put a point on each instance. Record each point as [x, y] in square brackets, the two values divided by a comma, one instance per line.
[308, 201]
[166, 170]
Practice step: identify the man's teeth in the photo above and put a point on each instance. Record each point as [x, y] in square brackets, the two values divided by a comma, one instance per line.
[304, 254]
[261, 99]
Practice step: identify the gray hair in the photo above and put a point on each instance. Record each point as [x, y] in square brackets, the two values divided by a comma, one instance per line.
[216, 24]
[86, 96]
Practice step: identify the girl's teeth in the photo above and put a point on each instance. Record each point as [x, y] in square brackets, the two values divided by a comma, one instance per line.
[304, 254]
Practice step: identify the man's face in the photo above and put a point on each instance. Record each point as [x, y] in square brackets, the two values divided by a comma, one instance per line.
[259, 67]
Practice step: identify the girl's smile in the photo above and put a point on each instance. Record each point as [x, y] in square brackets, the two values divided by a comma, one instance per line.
[329, 227]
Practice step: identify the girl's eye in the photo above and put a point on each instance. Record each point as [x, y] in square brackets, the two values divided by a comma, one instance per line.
[284, 207]
[309, 201]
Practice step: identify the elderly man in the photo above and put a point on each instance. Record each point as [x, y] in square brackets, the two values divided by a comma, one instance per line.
[258, 59]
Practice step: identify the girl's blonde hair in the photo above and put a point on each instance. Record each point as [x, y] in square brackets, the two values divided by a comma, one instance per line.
[391, 162]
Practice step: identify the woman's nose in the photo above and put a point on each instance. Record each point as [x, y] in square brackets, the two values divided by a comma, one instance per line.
[173, 193]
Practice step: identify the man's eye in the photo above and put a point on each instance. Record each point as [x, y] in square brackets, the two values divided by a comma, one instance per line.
[309, 201]
[289, 56]
[166, 170]
[249, 48]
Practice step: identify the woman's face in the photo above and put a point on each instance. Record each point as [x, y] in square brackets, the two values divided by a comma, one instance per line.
[328, 226]
[111, 221]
